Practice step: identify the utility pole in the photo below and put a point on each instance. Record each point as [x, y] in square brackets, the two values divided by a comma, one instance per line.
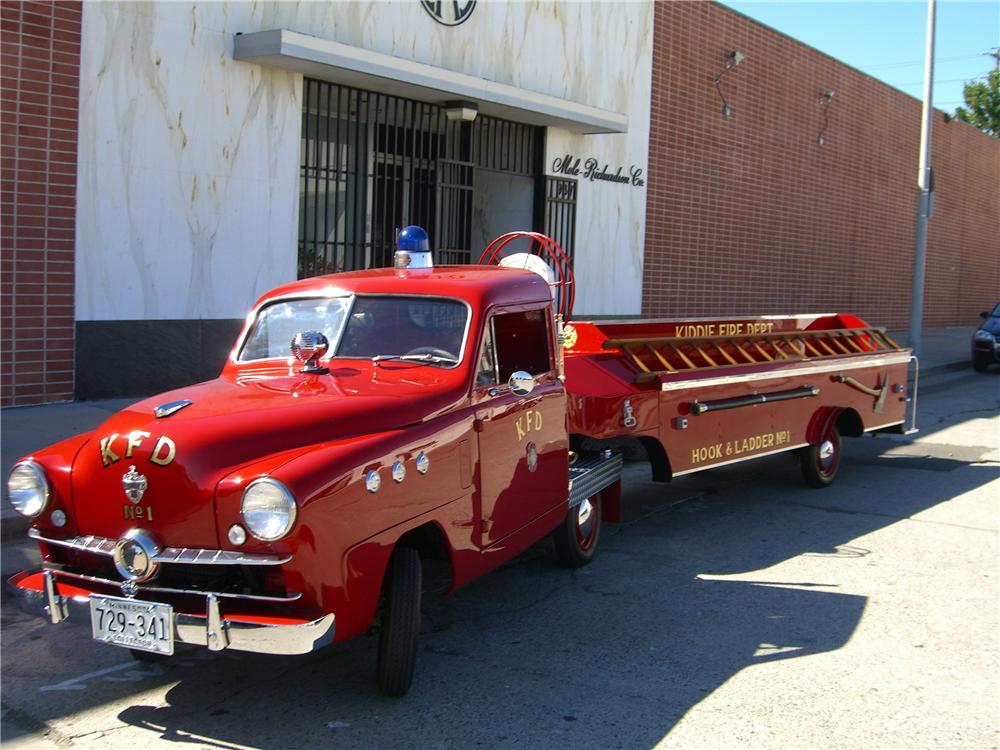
[925, 181]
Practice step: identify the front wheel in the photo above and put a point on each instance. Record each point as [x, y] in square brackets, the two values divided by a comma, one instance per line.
[397, 643]
[577, 536]
[980, 361]
[820, 462]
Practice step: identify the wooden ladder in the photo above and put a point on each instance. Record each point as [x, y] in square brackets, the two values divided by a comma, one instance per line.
[654, 357]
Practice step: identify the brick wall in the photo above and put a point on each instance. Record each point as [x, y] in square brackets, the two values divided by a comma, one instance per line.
[749, 214]
[39, 79]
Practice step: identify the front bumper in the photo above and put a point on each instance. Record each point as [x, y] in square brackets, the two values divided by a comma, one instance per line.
[41, 593]
[987, 350]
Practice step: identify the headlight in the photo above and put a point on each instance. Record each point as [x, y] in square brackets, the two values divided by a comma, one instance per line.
[982, 335]
[28, 488]
[268, 509]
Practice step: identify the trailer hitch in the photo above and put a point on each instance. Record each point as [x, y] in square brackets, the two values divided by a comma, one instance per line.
[878, 393]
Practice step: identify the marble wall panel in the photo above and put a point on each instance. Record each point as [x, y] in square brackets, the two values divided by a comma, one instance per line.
[188, 168]
[189, 160]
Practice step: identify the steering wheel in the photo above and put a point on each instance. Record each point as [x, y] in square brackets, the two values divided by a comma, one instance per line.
[432, 350]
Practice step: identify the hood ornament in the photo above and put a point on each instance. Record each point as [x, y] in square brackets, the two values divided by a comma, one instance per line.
[134, 484]
[171, 407]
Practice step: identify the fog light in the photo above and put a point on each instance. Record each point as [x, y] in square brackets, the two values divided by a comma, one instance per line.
[237, 534]
[58, 518]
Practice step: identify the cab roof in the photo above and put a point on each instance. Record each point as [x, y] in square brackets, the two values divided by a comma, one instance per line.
[480, 286]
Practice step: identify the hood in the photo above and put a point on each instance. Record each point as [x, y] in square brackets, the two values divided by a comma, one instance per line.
[229, 423]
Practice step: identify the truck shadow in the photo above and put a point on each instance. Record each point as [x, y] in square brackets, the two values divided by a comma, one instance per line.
[611, 655]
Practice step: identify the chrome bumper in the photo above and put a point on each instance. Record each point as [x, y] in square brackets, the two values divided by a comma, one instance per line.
[212, 630]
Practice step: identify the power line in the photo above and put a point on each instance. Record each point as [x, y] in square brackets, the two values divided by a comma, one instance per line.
[918, 62]
[950, 80]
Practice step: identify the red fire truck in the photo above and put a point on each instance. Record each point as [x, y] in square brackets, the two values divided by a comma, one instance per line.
[418, 413]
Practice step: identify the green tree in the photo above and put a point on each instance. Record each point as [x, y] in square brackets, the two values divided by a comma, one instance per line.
[982, 110]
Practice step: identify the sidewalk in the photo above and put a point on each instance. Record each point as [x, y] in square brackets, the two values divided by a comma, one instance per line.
[28, 428]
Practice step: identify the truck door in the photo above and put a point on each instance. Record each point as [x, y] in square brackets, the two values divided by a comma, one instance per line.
[523, 446]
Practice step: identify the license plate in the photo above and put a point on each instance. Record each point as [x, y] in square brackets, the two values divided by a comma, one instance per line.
[133, 624]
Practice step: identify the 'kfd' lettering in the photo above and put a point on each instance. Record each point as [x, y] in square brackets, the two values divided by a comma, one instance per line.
[163, 453]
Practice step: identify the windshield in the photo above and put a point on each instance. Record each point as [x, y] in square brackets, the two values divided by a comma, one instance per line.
[366, 327]
[405, 326]
[276, 325]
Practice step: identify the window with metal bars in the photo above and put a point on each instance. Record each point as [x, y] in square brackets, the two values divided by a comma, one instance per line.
[373, 163]
[560, 212]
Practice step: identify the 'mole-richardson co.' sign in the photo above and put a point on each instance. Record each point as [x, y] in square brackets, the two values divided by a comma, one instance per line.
[449, 12]
[592, 170]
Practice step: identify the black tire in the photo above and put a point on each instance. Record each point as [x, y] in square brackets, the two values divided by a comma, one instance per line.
[577, 536]
[148, 657]
[397, 643]
[821, 462]
[980, 362]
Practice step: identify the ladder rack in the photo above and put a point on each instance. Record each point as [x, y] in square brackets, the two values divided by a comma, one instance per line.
[655, 357]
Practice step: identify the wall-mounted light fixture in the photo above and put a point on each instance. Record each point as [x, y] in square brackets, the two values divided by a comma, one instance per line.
[824, 102]
[461, 111]
[733, 59]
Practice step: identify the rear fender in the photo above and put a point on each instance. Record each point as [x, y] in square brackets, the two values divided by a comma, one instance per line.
[823, 420]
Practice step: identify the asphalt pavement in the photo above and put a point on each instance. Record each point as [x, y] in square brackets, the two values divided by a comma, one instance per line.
[734, 608]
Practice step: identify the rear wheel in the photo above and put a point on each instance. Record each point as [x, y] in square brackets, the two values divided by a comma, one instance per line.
[820, 462]
[577, 536]
[397, 645]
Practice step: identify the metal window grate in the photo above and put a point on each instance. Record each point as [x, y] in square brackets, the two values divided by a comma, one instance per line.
[372, 164]
[560, 212]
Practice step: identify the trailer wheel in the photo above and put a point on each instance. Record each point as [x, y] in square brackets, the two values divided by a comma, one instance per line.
[397, 644]
[577, 536]
[820, 462]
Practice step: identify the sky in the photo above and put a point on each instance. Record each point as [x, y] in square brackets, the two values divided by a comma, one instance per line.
[886, 40]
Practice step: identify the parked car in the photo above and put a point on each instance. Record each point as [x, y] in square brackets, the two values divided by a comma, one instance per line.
[986, 341]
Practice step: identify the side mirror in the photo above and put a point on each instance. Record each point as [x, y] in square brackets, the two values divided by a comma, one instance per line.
[521, 383]
[984, 315]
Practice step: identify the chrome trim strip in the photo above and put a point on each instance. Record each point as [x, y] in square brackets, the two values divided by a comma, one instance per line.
[846, 364]
[741, 458]
[589, 476]
[239, 635]
[291, 597]
[169, 555]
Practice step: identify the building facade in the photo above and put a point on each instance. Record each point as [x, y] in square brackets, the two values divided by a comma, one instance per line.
[166, 163]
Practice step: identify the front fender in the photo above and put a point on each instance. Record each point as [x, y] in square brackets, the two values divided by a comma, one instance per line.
[344, 533]
[57, 463]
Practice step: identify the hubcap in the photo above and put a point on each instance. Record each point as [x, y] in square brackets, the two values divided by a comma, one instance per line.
[585, 522]
[826, 455]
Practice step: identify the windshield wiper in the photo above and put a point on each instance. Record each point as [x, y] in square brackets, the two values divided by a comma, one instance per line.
[426, 359]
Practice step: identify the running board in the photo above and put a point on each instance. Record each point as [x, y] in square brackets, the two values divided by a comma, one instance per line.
[588, 476]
